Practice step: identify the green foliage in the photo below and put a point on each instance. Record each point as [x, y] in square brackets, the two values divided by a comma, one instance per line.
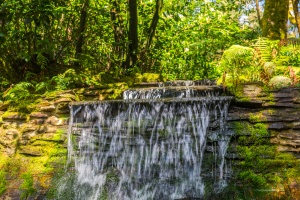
[249, 177]
[237, 63]
[19, 92]
[69, 79]
[21, 97]
[3, 182]
[193, 36]
[266, 49]
[290, 56]
[27, 188]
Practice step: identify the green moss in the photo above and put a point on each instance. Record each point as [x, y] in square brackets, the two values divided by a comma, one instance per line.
[59, 135]
[151, 77]
[257, 117]
[251, 134]
[13, 167]
[117, 90]
[27, 188]
[138, 77]
[8, 114]
[3, 182]
[278, 82]
[38, 169]
[262, 165]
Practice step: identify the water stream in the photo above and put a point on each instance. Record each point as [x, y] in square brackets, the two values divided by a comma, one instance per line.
[151, 145]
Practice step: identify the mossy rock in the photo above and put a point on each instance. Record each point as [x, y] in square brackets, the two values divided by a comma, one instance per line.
[150, 77]
[269, 69]
[4, 106]
[15, 116]
[116, 90]
[138, 77]
[280, 82]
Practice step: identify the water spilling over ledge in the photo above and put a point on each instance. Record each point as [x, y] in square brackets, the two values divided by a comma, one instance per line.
[148, 148]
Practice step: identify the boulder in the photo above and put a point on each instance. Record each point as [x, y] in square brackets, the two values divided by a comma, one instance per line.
[49, 108]
[62, 100]
[280, 82]
[12, 134]
[14, 116]
[38, 115]
[30, 152]
[54, 121]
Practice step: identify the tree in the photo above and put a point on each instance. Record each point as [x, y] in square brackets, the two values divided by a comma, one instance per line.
[133, 34]
[274, 20]
[81, 31]
[295, 8]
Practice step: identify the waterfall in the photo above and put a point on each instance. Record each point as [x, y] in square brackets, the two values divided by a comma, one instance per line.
[149, 146]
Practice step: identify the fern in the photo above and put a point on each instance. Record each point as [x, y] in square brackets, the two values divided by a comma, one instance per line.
[19, 92]
[263, 49]
[237, 56]
[237, 63]
[295, 42]
[42, 61]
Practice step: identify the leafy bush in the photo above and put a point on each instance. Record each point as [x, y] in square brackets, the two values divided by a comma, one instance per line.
[69, 79]
[290, 56]
[237, 61]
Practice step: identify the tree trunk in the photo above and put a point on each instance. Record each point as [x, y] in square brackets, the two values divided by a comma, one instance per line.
[152, 29]
[81, 30]
[296, 13]
[119, 46]
[274, 20]
[133, 34]
[154, 22]
[258, 12]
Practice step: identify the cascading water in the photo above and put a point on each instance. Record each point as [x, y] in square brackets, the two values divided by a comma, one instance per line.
[146, 148]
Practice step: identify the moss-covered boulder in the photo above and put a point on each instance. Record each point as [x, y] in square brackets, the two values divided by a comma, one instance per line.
[14, 116]
[280, 82]
[150, 77]
[269, 69]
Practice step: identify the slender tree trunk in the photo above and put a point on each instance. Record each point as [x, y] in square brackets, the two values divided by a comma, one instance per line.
[258, 12]
[81, 30]
[274, 20]
[154, 22]
[152, 30]
[133, 34]
[119, 46]
[296, 13]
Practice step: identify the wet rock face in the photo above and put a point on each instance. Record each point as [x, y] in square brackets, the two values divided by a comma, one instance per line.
[278, 109]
